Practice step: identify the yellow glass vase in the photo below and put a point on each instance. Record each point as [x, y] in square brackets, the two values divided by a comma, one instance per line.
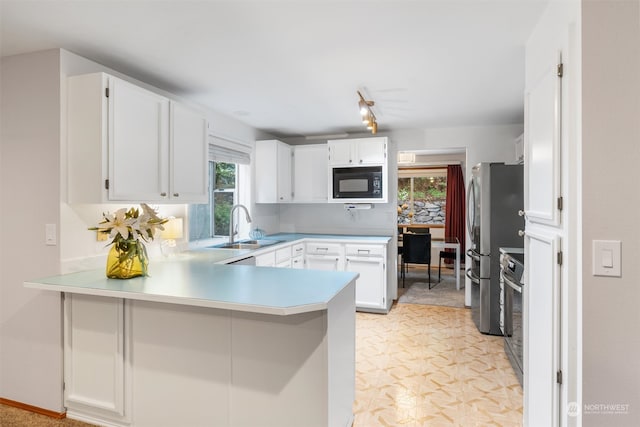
[127, 259]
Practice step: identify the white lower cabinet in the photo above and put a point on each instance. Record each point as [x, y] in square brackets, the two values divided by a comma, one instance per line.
[324, 256]
[297, 262]
[267, 259]
[323, 262]
[131, 363]
[96, 358]
[369, 260]
[371, 287]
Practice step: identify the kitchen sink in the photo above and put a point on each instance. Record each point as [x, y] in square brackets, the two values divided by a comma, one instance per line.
[247, 244]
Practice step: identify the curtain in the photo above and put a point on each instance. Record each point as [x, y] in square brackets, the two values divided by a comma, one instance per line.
[454, 217]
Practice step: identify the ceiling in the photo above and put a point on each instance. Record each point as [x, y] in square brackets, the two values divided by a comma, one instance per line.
[292, 68]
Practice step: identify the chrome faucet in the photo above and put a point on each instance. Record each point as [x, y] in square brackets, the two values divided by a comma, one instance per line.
[232, 229]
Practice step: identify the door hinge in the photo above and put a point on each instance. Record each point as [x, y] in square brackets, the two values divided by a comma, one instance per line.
[106, 92]
[560, 203]
[560, 70]
[559, 377]
[64, 385]
[559, 256]
[106, 184]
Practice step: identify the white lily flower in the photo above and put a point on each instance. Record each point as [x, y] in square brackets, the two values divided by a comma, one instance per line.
[121, 224]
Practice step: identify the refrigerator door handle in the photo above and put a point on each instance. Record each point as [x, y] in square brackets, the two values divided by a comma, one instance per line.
[471, 223]
[473, 255]
[472, 277]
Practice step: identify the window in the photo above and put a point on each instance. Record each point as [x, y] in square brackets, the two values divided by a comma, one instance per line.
[422, 195]
[212, 219]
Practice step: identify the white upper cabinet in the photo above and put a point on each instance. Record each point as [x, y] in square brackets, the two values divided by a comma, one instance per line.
[188, 144]
[310, 173]
[273, 172]
[543, 106]
[138, 142]
[126, 143]
[355, 152]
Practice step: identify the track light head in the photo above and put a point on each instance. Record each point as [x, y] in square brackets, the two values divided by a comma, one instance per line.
[368, 118]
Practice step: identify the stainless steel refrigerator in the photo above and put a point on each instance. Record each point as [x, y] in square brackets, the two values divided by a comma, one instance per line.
[494, 197]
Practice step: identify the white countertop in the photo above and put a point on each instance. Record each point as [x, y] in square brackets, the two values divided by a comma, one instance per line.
[225, 256]
[194, 279]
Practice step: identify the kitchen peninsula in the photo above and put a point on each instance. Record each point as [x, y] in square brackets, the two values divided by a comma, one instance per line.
[198, 343]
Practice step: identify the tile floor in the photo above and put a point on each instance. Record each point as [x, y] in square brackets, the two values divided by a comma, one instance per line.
[424, 365]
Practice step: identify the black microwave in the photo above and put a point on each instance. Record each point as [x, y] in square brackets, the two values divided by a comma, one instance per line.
[353, 184]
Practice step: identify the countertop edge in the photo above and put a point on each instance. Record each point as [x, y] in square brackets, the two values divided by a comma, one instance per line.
[195, 302]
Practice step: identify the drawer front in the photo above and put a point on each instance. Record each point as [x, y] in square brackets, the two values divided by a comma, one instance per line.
[365, 250]
[283, 254]
[297, 250]
[320, 248]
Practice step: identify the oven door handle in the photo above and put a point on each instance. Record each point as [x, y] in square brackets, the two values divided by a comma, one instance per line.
[511, 283]
[475, 279]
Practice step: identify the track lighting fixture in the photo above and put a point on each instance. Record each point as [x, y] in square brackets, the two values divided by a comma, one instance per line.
[368, 118]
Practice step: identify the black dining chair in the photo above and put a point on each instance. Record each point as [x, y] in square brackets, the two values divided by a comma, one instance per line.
[416, 249]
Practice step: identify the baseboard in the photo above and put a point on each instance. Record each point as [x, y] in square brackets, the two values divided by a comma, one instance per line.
[31, 408]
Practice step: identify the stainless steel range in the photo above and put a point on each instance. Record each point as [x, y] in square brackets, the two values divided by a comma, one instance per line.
[511, 271]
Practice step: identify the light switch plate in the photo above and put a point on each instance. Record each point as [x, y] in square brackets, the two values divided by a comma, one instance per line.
[606, 258]
[50, 235]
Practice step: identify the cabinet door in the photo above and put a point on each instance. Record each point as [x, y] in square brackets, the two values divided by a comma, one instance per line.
[310, 173]
[188, 165]
[370, 285]
[340, 153]
[273, 172]
[323, 262]
[541, 321]
[284, 172]
[138, 143]
[542, 146]
[266, 260]
[297, 262]
[96, 356]
[371, 151]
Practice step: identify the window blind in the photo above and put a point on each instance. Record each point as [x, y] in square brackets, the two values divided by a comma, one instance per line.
[228, 151]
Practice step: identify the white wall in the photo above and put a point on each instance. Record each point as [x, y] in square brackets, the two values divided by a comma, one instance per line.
[30, 320]
[611, 200]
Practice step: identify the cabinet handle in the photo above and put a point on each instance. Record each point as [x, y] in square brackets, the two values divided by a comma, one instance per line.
[360, 160]
[349, 160]
[163, 194]
[281, 197]
[176, 194]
